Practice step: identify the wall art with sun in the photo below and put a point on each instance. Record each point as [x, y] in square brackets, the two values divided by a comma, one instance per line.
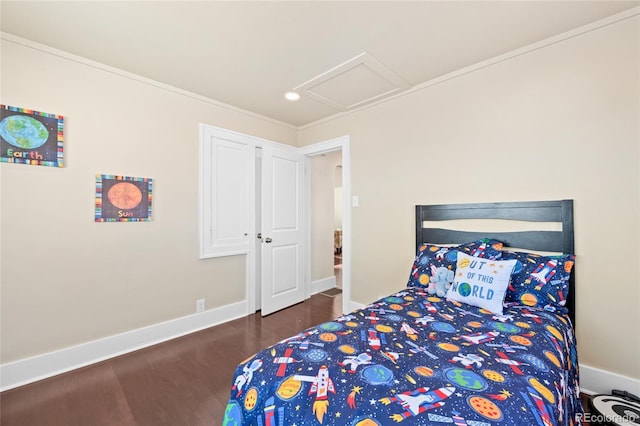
[123, 198]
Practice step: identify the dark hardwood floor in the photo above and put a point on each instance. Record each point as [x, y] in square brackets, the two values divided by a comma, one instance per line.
[585, 403]
[183, 382]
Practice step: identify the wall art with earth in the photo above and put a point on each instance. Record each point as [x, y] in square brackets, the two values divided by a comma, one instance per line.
[31, 137]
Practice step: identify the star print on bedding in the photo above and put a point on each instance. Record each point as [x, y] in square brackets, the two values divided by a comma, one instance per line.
[415, 359]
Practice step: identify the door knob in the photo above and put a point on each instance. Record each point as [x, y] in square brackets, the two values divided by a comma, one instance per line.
[267, 240]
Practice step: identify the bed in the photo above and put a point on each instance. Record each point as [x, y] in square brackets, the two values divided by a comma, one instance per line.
[482, 334]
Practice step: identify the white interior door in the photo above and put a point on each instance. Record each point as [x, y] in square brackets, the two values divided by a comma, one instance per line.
[283, 233]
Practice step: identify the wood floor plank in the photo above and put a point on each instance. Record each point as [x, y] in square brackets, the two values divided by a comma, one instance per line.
[90, 395]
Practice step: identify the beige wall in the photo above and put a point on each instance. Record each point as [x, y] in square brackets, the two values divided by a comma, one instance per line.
[68, 280]
[557, 122]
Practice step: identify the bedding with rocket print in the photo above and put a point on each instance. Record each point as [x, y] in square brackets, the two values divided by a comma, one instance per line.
[415, 359]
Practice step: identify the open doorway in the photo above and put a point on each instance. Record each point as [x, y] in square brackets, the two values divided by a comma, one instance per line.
[341, 147]
[326, 223]
[337, 233]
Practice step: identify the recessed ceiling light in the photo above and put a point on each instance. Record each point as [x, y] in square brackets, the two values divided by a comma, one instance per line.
[292, 96]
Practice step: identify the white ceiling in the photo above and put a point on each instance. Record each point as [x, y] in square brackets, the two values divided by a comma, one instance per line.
[248, 54]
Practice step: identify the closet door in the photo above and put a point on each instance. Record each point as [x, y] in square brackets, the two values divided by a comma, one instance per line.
[226, 188]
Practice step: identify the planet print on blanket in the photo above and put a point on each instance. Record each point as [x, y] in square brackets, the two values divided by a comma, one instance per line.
[554, 359]
[485, 408]
[377, 375]
[365, 422]
[331, 326]
[536, 362]
[504, 327]
[232, 415]
[289, 388]
[529, 299]
[347, 349]
[328, 337]
[556, 333]
[383, 328]
[251, 399]
[316, 355]
[443, 327]
[423, 371]
[520, 340]
[394, 318]
[449, 347]
[493, 375]
[545, 392]
[466, 379]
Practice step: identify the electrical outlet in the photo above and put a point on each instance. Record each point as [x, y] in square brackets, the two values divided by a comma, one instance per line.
[199, 305]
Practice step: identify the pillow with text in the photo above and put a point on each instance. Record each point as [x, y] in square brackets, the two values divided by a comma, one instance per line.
[481, 282]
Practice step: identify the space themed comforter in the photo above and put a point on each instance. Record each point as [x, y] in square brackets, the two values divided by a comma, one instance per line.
[415, 359]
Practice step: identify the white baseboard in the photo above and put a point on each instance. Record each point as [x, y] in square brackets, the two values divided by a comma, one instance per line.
[40, 367]
[594, 381]
[356, 306]
[323, 285]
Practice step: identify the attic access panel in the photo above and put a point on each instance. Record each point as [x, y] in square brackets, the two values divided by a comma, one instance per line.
[354, 83]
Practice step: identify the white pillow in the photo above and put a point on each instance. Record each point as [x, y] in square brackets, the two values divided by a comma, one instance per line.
[481, 282]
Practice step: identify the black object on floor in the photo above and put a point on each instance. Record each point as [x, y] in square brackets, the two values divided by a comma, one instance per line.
[619, 408]
[332, 292]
